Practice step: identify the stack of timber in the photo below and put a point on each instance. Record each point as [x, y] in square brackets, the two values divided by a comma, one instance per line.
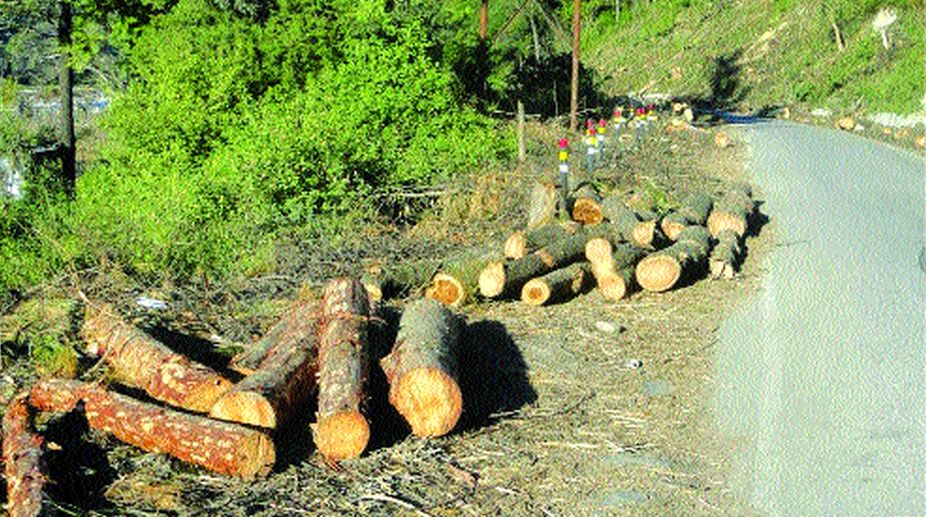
[728, 223]
[683, 260]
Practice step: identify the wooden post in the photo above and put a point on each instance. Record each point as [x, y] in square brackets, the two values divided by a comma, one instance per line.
[522, 151]
[574, 96]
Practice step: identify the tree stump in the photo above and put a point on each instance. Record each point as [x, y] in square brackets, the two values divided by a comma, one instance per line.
[662, 270]
[559, 285]
[22, 461]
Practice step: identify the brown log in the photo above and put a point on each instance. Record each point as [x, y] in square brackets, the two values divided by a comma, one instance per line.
[139, 361]
[422, 368]
[541, 209]
[22, 460]
[559, 285]
[686, 258]
[457, 279]
[613, 266]
[672, 225]
[506, 278]
[220, 447]
[696, 207]
[726, 255]
[632, 229]
[298, 320]
[341, 430]
[520, 243]
[387, 281]
[732, 211]
[282, 383]
[585, 205]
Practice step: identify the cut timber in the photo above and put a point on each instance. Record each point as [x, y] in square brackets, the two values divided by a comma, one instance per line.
[562, 284]
[384, 282]
[541, 209]
[696, 207]
[506, 278]
[672, 225]
[613, 266]
[341, 430]
[585, 205]
[139, 361]
[22, 461]
[726, 255]
[298, 321]
[281, 384]
[422, 368]
[458, 278]
[662, 270]
[732, 211]
[632, 229]
[221, 447]
[520, 243]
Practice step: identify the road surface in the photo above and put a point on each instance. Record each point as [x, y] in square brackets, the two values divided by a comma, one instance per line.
[821, 378]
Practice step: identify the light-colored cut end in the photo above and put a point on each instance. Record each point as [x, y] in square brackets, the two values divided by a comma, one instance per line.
[342, 436]
[516, 246]
[720, 221]
[208, 391]
[722, 269]
[599, 252]
[587, 211]
[259, 457]
[492, 280]
[535, 292]
[612, 287]
[672, 229]
[658, 273]
[447, 290]
[429, 399]
[644, 233]
[374, 291]
[245, 407]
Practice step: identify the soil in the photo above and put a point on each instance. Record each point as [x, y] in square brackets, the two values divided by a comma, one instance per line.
[582, 408]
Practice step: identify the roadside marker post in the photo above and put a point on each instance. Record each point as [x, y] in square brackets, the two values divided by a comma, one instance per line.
[591, 147]
[563, 159]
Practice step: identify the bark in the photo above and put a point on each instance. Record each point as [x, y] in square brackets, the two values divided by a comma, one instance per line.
[220, 447]
[673, 224]
[457, 281]
[696, 208]
[574, 85]
[384, 282]
[422, 369]
[541, 210]
[613, 266]
[732, 211]
[726, 255]
[291, 330]
[506, 278]
[585, 205]
[631, 228]
[685, 259]
[560, 285]
[22, 461]
[520, 243]
[138, 360]
[68, 148]
[341, 430]
[280, 386]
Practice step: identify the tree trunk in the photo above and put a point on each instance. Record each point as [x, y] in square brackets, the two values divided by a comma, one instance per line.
[541, 210]
[22, 461]
[686, 258]
[282, 383]
[341, 430]
[574, 88]
[585, 205]
[422, 368]
[139, 361]
[520, 243]
[632, 229]
[732, 211]
[68, 148]
[613, 266]
[560, 285]
[384, 282]
[217, 446]
[484, 20]
[458, 279]
[501, 278]
[287, 334]
[726, 255]
[522, 149]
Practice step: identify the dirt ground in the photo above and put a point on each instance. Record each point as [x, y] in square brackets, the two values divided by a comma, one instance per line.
[583, 408]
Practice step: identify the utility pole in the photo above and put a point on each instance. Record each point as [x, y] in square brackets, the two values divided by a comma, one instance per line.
[65, 83]
[574, 101]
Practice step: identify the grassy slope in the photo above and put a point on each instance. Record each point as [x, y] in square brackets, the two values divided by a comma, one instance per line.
[784, 50]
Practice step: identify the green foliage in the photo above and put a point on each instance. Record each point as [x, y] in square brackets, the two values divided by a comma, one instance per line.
[51, 358]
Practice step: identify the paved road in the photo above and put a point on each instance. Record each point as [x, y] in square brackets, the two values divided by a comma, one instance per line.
[823, 375]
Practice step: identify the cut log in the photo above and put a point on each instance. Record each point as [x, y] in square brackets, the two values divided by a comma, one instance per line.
[506, 278]
[138, 360]
[732, 211]
[541, 209]
[672, 225]
[662, 270]
[341, 430]
[520, 243]
[559, 285]
[22, 461]
[220, 447]
[632, 229]
[726, 255]
[384, 282]
[585, 205]
[286, 334]
[458, 279]
[696, 208]
[281, 385]
[422, 368]
[613, 266]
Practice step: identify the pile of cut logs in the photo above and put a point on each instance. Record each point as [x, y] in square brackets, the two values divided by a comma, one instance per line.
[198, 415]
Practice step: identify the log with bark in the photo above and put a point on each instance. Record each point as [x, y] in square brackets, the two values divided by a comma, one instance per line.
[281, 384]
[422, 369]
[585, 205]
[386, 281]
[613, 266]
[520, 243]
[501, 278]
[341, 430]
[22, 460]
[541, 209]
[221, 447]
[632, 229]
[732, 211]
[726, 255]
[662, 270]
[457, 280]
[559, 285]
[138, 360]
[298, 321]
[694, 210]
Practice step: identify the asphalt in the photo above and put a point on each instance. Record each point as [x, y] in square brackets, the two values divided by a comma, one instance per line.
[821, 377]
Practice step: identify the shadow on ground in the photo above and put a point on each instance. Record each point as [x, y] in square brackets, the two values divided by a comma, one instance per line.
[77, 467]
